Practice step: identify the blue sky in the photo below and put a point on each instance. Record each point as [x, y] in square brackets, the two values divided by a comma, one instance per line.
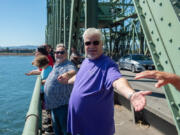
[22, 22]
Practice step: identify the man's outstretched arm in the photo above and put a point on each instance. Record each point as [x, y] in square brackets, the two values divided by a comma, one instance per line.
[137, 99]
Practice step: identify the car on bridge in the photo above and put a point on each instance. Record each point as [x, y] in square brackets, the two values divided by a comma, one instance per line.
[136, 63]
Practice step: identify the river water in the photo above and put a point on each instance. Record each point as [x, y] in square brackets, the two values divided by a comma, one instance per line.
[15, 92]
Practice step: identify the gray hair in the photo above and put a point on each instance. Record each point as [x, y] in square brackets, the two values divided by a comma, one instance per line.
[61, 45]
[93, 31]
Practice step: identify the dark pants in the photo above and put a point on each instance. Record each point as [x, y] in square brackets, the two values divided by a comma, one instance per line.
[59, 119]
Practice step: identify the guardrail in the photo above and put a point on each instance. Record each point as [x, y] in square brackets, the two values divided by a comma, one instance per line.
[33, 116]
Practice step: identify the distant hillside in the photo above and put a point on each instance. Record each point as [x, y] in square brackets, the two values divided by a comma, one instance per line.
[31, 47]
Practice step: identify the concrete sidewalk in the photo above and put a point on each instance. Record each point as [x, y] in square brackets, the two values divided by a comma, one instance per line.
[124, 124]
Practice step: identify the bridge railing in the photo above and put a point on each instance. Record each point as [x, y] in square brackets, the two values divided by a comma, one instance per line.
[33, 116]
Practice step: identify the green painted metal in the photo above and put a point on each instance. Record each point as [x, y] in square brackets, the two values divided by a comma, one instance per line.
[91, 16]
[64, 9]
[160, 23]
[60, 21]
[53, 23]
[74, 24]
[33, 116]
[108, 14]
[57, 20]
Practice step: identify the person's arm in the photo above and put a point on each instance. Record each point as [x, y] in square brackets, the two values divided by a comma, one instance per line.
[162, 77]
[43, 82]
[66, 76]
[137, 99]
[33, 72]
[176, 81]
[72, 79]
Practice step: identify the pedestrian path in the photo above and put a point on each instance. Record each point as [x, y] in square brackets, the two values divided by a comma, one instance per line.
[124, 124]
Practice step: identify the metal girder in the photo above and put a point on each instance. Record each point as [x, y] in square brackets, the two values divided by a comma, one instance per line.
[57, 21]
[160, 22]
[74, 24]
[91, 16]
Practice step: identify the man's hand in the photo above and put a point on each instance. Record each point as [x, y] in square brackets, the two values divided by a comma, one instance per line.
[63, 78]
[138, 99]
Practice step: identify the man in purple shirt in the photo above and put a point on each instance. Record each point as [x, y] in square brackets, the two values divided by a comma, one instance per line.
[91, 105]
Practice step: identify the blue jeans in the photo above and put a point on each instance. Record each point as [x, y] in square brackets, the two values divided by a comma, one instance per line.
[59, 119]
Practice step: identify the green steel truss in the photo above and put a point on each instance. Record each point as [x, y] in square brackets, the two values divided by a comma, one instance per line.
[160, 22]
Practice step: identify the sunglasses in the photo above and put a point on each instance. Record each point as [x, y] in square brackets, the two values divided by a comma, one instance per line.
[89, 43]
[59, 52]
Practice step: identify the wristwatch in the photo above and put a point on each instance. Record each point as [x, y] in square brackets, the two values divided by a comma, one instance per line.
[130, 95]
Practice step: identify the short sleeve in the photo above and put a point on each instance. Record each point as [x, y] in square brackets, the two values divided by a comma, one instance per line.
[112, 74]
[71, 66]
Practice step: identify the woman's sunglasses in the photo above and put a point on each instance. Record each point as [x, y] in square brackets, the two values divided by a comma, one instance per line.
[89, 43]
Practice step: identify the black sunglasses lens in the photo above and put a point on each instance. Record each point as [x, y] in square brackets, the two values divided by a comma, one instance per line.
[60, 52]
[96, 43]
[87, 43]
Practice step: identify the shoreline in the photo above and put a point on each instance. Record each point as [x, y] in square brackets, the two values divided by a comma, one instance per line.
[16, 54]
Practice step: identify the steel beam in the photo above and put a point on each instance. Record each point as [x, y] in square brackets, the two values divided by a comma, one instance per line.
[91, 15]
[160, 22]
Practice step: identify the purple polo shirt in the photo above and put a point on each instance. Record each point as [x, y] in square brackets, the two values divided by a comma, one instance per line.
[91, 105]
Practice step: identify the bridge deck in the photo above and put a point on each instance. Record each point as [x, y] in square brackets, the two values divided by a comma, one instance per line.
[124, 124]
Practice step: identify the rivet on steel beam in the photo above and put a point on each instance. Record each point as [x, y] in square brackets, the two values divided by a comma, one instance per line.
[174, 2]
[161, 19]
[160, 67]
[171, 40]
[152, 32]
[143, 1]
[172, 103]
[157, 56]
[157, 39]
[142, 16]
[158, 64]
[145, 13]
[160, 4]
[154, 52]
[166, 62]
[169, 24]
[150, 19]
[138, 6]
[150, 42]
[178, 118]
